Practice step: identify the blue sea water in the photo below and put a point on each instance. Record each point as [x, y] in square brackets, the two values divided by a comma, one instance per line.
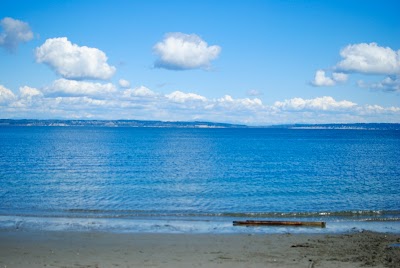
[198, 180]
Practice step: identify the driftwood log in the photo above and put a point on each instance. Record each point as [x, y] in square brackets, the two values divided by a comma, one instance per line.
[280, 223]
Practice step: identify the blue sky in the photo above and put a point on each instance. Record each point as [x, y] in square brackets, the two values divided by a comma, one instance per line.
[253, 62]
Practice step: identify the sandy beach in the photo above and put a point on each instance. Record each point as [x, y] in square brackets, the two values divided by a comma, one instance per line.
[88, 249]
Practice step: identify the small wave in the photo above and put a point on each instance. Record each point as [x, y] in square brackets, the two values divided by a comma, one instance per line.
[349, 213]
[382, 219]
[366, 215]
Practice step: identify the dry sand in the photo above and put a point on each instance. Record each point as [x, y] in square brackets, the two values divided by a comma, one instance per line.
[80, 249]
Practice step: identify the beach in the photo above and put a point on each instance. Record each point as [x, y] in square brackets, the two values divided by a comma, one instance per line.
[20, 248]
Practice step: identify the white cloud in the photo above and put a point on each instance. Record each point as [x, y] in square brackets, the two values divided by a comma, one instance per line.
[124, 83]
[181, 97]
[369, 59]
[225, 109]
[321, 79]
[376, 110]
[73, 61]
[29, 98]
[340, 77]
[325, 103]
[29, 92]
[240, 104]
[6, 95]
[67, 87]
[14, 32]
[141, 91]
[226, 99]
[79, 102]
[179, 51]
[389, 84]
[363, 58]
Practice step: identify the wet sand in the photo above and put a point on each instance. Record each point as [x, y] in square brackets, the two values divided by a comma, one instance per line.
[88, 249]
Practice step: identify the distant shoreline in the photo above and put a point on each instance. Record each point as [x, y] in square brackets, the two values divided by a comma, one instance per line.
[187, 124]
[116, 123]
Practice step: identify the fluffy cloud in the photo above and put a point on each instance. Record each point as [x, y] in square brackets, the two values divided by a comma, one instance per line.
[14, 32]
[139, 92]
[325, 103]
[6, 95]
[389, 84]
[65, 87]
[363, 58]
[29, 92]
[230, 103]
[79, 102]
[181, 97]
[369, 59]
[29, 98]
[321, 79]
[226, 109]
[124, 83]
[340, 77]
[73, 61]
[376, 110]
[179, 51]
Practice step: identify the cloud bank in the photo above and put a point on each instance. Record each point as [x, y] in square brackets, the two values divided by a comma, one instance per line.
[179, 51]
[74, 62]
[14, 32]
[84, 100]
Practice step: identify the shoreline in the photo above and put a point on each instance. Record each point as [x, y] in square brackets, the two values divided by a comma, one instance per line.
[198, 225]
[28, 248]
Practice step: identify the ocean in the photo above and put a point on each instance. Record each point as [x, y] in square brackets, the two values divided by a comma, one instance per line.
[197, 180]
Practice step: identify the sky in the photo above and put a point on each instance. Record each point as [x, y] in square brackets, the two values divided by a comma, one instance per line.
[249, 62]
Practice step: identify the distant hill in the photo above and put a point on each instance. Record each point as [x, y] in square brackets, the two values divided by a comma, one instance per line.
[115, 123]
[183, 124]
